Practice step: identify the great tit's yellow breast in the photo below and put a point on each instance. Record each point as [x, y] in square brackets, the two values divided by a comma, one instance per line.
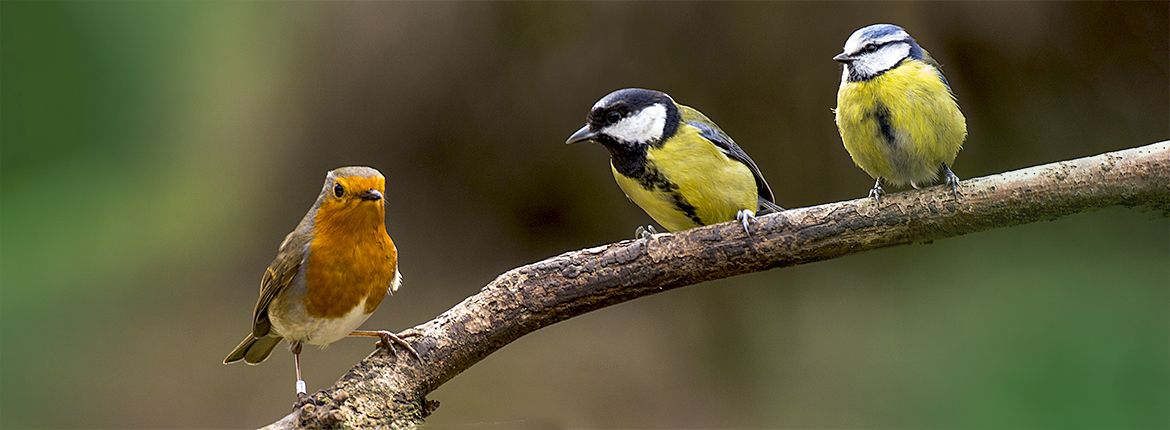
[901, 125]
[696, 183]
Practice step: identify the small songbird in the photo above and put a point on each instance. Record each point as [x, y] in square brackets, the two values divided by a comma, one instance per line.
[330, 273]
[674, 162]
[895, 110]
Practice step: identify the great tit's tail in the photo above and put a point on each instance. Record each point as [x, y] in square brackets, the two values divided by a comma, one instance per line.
[253, 350]
[767, 207]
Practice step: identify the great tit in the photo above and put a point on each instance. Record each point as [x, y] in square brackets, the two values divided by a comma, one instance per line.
[674, 162]
[895, 110]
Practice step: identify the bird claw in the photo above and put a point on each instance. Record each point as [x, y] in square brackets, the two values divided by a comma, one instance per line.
[645, 232]
[302, 398]
[877, 192]
[743, 216]
[388, 339]
[952, 180]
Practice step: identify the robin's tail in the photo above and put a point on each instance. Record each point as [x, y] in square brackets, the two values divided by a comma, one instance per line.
[253, 350]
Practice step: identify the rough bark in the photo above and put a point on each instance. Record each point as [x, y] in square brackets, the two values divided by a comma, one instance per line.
[388, 391]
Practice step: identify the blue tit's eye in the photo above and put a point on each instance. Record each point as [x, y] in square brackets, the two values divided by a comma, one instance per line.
[338, 190]
[613, 117]
[869, 48]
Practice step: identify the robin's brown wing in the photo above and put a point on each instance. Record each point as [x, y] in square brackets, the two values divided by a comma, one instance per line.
[277, 277]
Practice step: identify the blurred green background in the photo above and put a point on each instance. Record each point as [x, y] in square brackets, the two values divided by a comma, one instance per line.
[155, 153]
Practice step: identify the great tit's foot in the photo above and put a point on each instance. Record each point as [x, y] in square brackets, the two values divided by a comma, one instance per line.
[877, 192]
[743, 216]
[387, 339]
[952, 180]
[645, 232]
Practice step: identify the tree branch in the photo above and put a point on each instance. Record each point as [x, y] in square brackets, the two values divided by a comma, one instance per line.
[389, 391]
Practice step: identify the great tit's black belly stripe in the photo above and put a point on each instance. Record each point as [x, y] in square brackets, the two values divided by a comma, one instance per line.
[881, 115]
[632, 163]
[650, 178]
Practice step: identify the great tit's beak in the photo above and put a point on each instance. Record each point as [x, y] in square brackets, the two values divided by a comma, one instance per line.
[581, 135]
[843, 58]
[371, 195]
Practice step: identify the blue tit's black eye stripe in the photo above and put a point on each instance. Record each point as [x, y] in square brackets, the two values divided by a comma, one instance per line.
[872, 47]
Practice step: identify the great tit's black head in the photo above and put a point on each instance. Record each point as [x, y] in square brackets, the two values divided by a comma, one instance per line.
[874, 49]
[630, 117]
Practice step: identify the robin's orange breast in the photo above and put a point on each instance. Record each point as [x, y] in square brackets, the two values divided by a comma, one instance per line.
[351, 259]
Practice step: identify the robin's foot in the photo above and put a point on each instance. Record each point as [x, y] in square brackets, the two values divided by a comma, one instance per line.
[387, 340]
[645, 232]
[877, 192]
[952, 180]
[743, 216]
[302, 397]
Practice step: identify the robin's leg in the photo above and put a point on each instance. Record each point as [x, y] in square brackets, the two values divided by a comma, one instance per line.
[302, 392]
[876, 192]
[388, 339]
[952, 179]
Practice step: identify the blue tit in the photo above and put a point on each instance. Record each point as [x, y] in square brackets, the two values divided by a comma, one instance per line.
[896, 112]
[674, 162]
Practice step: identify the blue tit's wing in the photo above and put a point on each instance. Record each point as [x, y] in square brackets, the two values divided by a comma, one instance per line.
[926, 58]
[711, 132]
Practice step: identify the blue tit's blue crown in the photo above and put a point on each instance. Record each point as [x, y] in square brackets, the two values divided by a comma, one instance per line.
[874, 49]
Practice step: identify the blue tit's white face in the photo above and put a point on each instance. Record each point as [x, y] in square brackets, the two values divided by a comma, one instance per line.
[873, 50]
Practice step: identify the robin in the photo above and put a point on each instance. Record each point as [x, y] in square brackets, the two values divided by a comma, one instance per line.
[329, 275]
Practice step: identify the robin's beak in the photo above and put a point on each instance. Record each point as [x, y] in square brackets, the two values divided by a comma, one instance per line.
[371, 195]
[843, 58]
[581, 135]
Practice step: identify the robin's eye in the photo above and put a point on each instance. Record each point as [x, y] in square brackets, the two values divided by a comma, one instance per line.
[613, 117]
[338, 190]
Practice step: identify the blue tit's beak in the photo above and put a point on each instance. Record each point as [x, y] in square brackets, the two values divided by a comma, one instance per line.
[581, 135]
[370, 195]
[843, 58]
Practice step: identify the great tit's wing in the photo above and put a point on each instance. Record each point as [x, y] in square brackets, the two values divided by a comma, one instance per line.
[277, 277]
[711, 132]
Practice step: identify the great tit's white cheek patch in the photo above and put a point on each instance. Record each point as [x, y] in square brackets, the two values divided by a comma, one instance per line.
[645, 126]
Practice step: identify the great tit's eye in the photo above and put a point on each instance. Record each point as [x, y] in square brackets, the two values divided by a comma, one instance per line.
[613, 117]
[338, 190]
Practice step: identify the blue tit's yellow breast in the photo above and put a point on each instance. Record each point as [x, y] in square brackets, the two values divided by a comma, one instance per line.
[902, 125]
[689, 182]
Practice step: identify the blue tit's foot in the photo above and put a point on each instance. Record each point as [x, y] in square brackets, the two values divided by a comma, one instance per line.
[952, 180]
[743, 216]
[877, 191]
[645, 232]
